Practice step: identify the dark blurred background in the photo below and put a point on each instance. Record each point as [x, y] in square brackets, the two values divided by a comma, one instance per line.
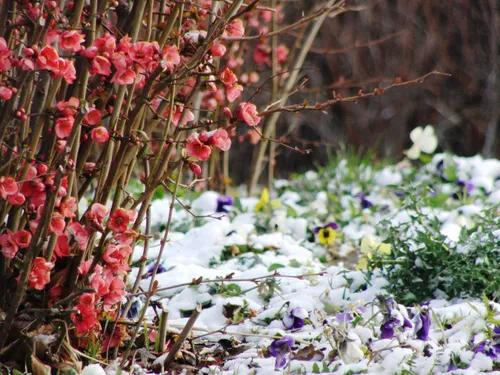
[371, 47]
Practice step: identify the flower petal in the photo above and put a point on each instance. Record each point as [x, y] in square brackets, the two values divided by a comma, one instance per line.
[413, 153]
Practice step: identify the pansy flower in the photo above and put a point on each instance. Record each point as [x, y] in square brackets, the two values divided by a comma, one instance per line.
[295, 318]
[395, 317]
[490, 349]
[350, 348]
[423, 325]
[280, 349]
[265, 203]
[365, 203]
[327, 233]
[347, 316]
[160, 269]
[424, 140]
[368, 247]
[222, 202]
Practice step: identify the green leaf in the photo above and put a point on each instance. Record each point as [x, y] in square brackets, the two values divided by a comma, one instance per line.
[232, 290]
[315, 368]
[275, 266]
[159, 193]
[69, 372]
[425, 158]
[294, 263]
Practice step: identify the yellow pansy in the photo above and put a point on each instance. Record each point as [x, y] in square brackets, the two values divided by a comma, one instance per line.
[368, 247]
[327, 234]
[264, 201]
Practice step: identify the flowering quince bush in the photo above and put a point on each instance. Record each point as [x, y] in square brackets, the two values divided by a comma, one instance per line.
[93, 94]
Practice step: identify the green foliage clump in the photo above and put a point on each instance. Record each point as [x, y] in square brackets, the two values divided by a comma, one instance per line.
[423, 264]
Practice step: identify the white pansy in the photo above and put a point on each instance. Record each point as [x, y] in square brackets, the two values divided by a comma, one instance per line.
[424, 140]
[350, 349]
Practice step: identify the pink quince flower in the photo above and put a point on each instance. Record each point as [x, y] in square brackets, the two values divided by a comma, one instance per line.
[71, 41]
[22, 238]
[40, 273]
[69, 107]
[8, 245]
[235, 28]
[233, 92]
[124, 77]
[63, 127]
[100, 65]
[218, 50]
[93, 117]
[247, 112]
[8, 186]
[219, 138]
[119, 220]
[197, 149]
[100, 135]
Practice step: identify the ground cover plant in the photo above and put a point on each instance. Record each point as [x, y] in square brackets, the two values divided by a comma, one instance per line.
[113, 113]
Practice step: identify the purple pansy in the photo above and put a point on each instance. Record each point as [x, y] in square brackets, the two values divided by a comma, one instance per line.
[161, 269]
[295, 318]
[466, 185]
[222, 202]
[393, 318]
[365, 203]
[280, 349]
[489, 349]
[348, 316]
[332, 225]
[423, 325]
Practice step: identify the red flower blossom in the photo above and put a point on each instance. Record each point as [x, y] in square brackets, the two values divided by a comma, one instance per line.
[84, 322]
[247, 112]
[5, 53]
[48, 58]
[107, 43]
[119, 220]
[233, 92]
[86, 303]
[116, 292]
[40, 273]
[71, 41]
[5, 93]
[228, 77]
[69, 107]
[93, 117]
[22, 238]
[218, 50]
[62, 249]
[195, 168]
[219, 138]
[57, 224]
[8, 245]
[8, 186]
[235, 28]
[100, 135]
[100, 65]
[171, 58]
[197, 149]
[16, 199]
[124, 77]
[79, 234]
[64, 125]
[68, 207]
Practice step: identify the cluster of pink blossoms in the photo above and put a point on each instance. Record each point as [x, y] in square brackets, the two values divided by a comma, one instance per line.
[105, 278]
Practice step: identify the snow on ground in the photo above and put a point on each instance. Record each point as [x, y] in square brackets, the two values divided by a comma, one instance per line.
[350, 326]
